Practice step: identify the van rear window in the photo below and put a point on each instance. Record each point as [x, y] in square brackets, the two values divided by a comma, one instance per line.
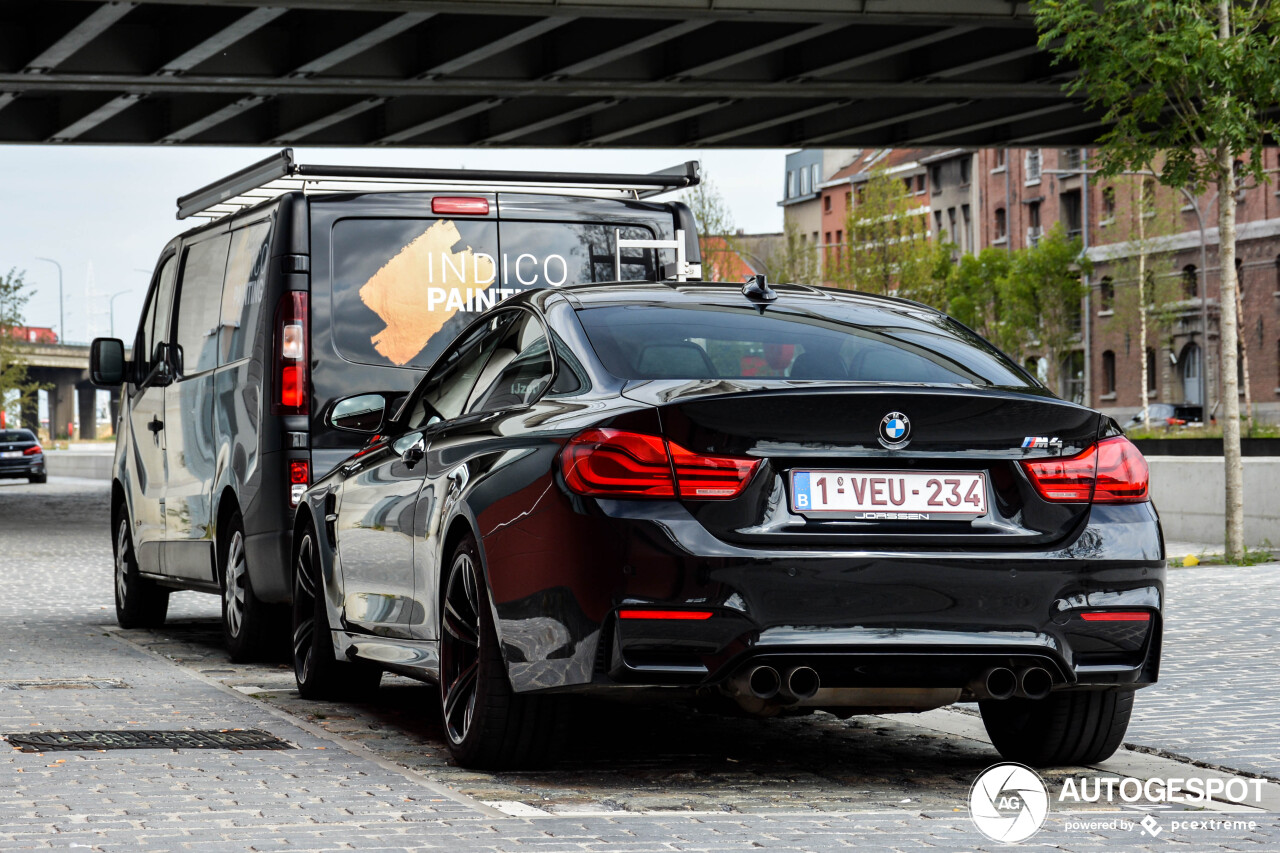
[404, 288]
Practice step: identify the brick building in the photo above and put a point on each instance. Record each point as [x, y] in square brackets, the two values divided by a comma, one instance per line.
[1008, 198]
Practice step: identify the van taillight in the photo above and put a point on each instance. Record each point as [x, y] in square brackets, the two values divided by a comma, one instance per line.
[299, 479]
[616, 463]
[292, 370]
[1111, 471]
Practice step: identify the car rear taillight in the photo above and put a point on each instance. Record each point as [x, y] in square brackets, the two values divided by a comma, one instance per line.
[1111, 471]
[1116, 616]
[299, 479]
[460, 206]
[292, 371]
[671, 615]
[616, 463]
[32, 451]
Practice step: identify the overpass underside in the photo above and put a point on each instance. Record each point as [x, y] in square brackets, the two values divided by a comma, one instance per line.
[563, 73]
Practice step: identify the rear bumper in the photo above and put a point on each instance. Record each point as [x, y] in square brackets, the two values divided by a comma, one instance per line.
[22, 467]
[862, 619]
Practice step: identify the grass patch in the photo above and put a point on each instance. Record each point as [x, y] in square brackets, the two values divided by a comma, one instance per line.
[1258, 431]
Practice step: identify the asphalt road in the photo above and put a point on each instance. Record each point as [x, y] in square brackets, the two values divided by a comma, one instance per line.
[375, 773]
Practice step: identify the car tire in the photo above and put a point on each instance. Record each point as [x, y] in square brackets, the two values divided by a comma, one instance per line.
[38, 478]
[250, 627]
[320, 675]
[140, 603]
[1062, 730]
[487, 725]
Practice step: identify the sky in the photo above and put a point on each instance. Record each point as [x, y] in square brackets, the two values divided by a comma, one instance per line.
[104, 213]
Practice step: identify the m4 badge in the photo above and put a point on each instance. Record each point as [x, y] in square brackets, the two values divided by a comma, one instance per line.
[1041, 441]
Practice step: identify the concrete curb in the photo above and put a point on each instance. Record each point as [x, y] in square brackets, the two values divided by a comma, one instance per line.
[75, 463]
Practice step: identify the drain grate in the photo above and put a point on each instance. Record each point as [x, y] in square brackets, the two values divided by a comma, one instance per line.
[63, 684]
[144, 739]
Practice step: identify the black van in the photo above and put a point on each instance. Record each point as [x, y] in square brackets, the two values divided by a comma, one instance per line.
[309, 285]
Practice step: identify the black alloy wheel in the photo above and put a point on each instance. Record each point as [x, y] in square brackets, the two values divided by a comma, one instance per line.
[140, 603]
[320, 675]
[488, 724]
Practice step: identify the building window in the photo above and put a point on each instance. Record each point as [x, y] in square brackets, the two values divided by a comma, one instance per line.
[1002, 228]
[1001, 159]
[817, 177]
[951, 221]
[1190, 282]
[919, 183]
[965, 166]
[828, 238]
[1109, 373]
[908, 184]
[968, 228]
[1071, 159]
[791, 184]
[1033, 224]
[937, 224]
[1032, 166]
[1151, 371]
[1106, 295]
[839, 236]
[826, 204]
[848, 199]
[1073, 377]
[1069, 204]
[935, 178]
[1148, 196]
[804, 182]
[1108, 205]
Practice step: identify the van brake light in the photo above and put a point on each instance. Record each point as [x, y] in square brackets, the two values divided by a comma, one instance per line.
[291, 353]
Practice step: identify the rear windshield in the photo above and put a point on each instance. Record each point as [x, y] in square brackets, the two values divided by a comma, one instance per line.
[831, 342]
[16, 435]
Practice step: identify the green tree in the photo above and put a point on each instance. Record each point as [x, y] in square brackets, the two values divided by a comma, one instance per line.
[973, 288]
[795, 261]
[717, 234]
[15, 390]
[1190, 87]
[1040, 299]
[888, 249]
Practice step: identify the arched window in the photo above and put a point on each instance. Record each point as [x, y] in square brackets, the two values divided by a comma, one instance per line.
[1109, 373]
[1106, 294]
[1002, 229]
[1189, 372]
[1151, 370]
[1190, 282]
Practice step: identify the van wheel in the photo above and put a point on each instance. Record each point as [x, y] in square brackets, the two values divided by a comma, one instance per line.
[1061, 730]
[140, 603]
[488, 725]
[320, 675]
[246, 621]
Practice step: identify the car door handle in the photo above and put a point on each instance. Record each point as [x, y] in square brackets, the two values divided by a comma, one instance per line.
[155, 425]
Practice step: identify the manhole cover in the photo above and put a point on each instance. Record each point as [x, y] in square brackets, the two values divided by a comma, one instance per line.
[143, 739]
[62, 684]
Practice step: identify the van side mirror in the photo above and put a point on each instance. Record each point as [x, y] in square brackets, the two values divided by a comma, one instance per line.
[362, 413]
[106, 362]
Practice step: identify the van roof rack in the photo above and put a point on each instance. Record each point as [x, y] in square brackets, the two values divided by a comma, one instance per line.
[279, 174]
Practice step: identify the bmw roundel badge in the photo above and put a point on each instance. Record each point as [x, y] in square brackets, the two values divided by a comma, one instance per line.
[895, 430]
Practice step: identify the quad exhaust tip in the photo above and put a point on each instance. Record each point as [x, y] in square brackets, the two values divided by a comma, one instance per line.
[1000, 682]
[764, 682]
[803, 682]
[1034, 682]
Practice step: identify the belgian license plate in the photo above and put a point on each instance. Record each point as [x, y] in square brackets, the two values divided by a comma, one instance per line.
[891, 495]
[10, 454]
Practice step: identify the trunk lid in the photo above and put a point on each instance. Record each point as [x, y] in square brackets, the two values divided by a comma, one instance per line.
[796, 426]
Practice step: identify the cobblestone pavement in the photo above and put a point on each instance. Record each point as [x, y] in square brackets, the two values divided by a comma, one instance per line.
[375, 776]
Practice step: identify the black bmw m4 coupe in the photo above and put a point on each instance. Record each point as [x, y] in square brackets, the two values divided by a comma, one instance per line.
[775, 500]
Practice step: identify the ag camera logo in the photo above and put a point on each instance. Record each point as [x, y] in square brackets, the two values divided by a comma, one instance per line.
[1008, 803]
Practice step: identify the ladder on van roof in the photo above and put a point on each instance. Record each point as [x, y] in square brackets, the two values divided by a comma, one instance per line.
[279, 174]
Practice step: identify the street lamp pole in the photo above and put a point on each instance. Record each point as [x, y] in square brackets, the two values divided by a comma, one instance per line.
[112, 309]
[62, 328]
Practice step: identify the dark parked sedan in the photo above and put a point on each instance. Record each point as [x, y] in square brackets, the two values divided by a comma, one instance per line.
[21, 455]
[769, 501]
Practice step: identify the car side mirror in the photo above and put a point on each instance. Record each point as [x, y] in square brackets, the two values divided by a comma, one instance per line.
[106, 362]
[362, 413]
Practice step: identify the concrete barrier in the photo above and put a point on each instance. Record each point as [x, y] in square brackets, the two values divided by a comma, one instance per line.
[79, 463]
[1190, 493]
